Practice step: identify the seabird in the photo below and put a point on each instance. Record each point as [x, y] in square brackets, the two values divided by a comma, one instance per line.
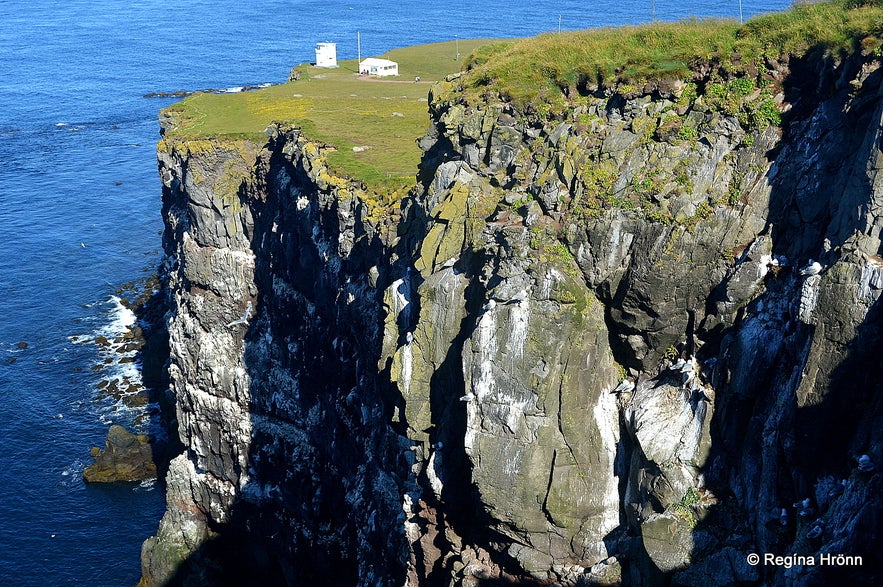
[625, 386]
[865, 464]
[806, 510]
[678, 365]
[468, 397]
[243, 319]
[812, 268]
[490, 305]
[816, 529]
[783, 517]
[519, 297]
[409, 337]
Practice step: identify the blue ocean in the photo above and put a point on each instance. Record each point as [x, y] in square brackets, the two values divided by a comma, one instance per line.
[80, 210]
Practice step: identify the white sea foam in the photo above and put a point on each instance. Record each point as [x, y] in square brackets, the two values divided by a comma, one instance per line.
[72, 474]
[146, 485]
[123, 316]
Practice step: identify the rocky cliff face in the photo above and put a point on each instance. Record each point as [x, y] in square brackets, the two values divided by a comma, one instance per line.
[583, 352]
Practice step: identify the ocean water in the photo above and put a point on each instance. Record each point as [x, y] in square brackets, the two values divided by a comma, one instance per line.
[79, 208]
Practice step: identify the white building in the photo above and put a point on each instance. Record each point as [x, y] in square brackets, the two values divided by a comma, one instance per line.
[326, 54]
[378, 67]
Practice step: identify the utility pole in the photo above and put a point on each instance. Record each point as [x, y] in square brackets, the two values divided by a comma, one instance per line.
[653, 10]
[740, 12]
[559, 23]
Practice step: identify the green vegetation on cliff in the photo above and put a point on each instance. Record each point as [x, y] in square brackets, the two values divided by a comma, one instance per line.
[546, 67]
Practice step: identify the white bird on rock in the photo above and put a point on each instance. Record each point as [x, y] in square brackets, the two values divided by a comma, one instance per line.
[244, 319]
[625, 386]
[811, 268]
[519, 297]
[865, 464]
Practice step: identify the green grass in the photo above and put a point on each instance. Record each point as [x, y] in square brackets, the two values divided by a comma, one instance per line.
[542, 68]
[335, 107]
[545, 72]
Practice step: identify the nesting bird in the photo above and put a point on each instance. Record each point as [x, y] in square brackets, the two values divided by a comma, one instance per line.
[687, 369]
[816, 530]
[625, 386]
[811, 268]
[865, 464]
[519, 297]
[805, 509]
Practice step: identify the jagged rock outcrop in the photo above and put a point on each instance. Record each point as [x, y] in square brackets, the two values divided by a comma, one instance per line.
[585, 354]
[126, 457]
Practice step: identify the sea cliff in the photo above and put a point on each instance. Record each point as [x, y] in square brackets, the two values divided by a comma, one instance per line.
[591, 346]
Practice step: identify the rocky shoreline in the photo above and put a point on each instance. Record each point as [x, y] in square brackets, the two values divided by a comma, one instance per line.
[185, 93]
[141, 344]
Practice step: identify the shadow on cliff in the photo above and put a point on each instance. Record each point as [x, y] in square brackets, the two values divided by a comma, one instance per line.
[318, 503]
[152, 359]
[769, 453]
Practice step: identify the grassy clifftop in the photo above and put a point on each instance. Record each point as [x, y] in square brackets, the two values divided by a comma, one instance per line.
[381, 119]
[545, 67]
[373, 125]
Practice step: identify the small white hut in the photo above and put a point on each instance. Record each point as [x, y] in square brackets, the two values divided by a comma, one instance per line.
[326, 54]
[378, 67]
